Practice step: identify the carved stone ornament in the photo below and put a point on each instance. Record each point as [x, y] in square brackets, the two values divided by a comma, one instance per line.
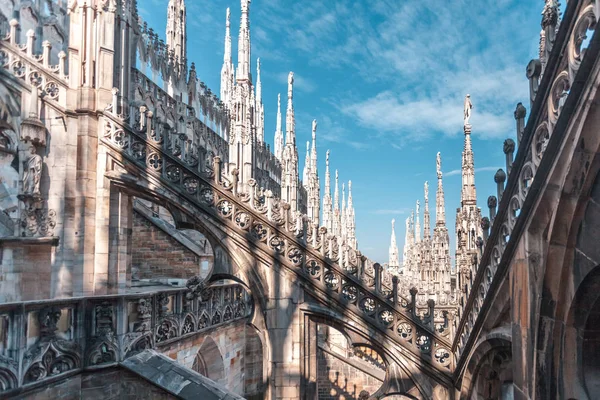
[37, 222]
[50, 356]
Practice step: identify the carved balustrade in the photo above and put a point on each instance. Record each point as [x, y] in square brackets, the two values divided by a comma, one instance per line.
[325, 263]
[21, 61]
[43, 341]
[551, 84]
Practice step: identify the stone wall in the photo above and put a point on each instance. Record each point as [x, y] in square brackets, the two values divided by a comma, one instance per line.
[156, 254]
[340, 380]
[238, 363]
[107, 384]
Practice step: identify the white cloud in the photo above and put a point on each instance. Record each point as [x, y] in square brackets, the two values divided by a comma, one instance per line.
[389, 211]
[482, 169]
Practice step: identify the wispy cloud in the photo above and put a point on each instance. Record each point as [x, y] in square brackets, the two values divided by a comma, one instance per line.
[482, 169]
[390, 211]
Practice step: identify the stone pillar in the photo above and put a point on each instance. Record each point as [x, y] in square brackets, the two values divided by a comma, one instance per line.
[120, 235]
[309, 359]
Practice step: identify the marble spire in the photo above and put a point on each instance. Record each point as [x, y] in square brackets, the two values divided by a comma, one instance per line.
[394, 263]
[243, 69]
[278, 132]
[327, 201]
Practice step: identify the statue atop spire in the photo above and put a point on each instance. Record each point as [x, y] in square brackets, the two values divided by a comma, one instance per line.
[438, 161]
[426, 189]
[467, 109]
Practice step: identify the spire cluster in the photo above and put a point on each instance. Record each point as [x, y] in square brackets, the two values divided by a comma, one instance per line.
[249, 154]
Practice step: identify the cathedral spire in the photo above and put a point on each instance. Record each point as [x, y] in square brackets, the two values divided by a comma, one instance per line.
[468, 194]
[440, 206]
[227, 54]
[344, 225]
[306, 170]
[336, 207]
[418, 224]
[327, 203]
[313, 185]
[336, 193]
[426, 217]
[227, 69]
[313, 153]
[243, 69]
[289, 170]
[394, 263]
[176, 35]
[260, 111]
[290, 123]
[350, 219]
[278, 132]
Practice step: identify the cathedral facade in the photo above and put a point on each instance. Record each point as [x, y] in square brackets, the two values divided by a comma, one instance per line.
[152, 245]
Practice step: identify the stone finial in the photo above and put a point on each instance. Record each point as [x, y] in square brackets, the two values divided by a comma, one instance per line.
[492, 203]
[509, 149]
[520, 113]
[500, 178]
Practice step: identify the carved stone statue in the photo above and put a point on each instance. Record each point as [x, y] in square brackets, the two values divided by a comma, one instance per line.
[290, 84]
[393, 223]
[468, 107]
[418, 207]
[32, 172]
[314, 125]
[438, 161]
[426, 191]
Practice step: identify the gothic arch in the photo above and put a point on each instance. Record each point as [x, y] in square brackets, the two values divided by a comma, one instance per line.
[496, 343]
[209, 361]
[399, 368]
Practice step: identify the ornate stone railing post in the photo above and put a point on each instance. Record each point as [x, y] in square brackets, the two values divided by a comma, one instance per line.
[492, 202]
[330, 247]
[14, 25]
[323, 234]
[431, 313]
[509, 149]
[413, 301]
[217, 169]
[234, 181]
[252, 193]
[115, 99]
[485, 226]
[149, 117]
[500, 178]
[46, 48]
[286, 215]
[315, 234]
[520, 113]
[142, 123]
[269, 201]
[394, 290]
[30, 42]
[377, 271]
[534, 70]
[62, 63]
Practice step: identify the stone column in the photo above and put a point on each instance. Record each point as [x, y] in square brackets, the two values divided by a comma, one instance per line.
[120, 236]
[309, 359]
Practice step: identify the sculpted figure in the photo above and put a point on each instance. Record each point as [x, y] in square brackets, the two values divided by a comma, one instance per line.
[438, 161]
[32, 172]
[426, 191]
[468, 107]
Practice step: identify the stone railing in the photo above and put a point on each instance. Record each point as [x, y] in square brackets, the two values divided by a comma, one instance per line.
[325, 264]
[555, 86]
[36, 70]
[45, 341]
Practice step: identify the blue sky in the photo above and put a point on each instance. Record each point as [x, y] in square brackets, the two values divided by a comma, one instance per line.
[386, 82]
